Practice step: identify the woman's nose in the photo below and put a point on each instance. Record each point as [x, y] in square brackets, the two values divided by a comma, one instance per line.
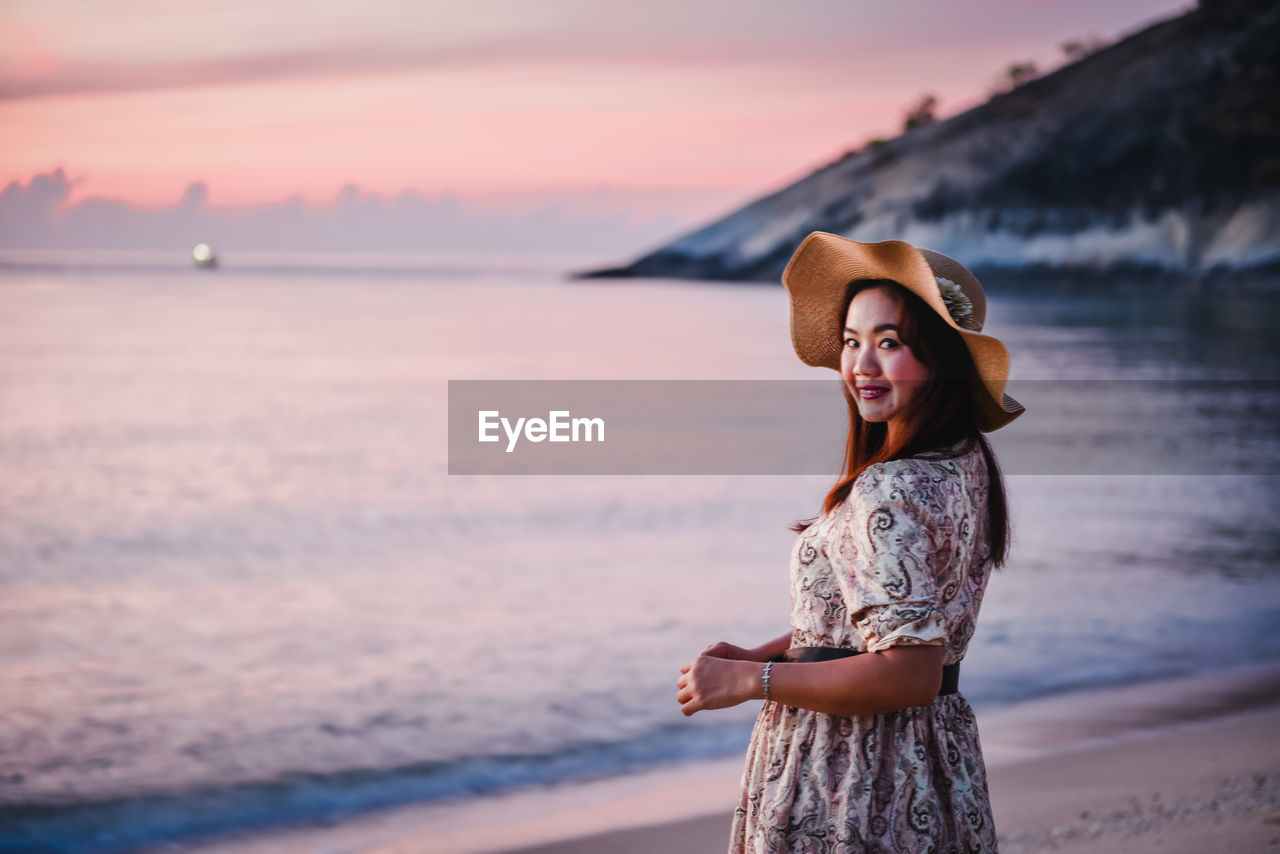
[864, 361]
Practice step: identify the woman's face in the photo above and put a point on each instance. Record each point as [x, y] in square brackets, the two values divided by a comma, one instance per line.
[879, 370]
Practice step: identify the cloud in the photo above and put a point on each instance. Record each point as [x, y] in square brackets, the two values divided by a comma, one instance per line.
[26, 211]
[598, 222]
[256, 42]
[795, 61]
[88, 78]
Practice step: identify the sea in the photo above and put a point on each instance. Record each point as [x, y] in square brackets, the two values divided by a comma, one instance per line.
[240, 590]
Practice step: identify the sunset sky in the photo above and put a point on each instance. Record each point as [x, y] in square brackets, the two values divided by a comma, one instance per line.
[688, 101]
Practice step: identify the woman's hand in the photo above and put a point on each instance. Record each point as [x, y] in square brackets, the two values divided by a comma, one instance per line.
[715, 683]
[735, 653]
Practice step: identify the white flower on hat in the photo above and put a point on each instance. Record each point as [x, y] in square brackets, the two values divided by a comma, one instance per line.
[959, 306]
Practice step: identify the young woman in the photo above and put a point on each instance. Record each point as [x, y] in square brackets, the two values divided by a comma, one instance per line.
[864, 742]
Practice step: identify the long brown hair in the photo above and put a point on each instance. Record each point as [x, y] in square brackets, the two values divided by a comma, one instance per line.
[939, 415]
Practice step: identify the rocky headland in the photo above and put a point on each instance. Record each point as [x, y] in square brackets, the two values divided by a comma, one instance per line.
[1158, 154]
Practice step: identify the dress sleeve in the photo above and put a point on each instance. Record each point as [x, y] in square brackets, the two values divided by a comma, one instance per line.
[886, 562]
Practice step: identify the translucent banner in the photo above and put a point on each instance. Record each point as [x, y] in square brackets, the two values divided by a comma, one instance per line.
[751, 427]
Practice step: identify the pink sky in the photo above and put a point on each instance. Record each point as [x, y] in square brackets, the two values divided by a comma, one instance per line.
[705, 100]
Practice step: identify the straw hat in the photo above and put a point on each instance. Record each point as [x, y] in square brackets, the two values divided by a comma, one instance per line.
[824, 265]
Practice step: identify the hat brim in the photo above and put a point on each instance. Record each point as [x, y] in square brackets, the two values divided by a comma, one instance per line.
[816, 278]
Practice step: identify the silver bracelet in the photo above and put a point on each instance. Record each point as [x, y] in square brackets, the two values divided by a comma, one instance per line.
[764, 680]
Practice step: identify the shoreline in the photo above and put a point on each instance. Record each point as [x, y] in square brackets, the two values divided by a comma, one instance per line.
[1077, 769]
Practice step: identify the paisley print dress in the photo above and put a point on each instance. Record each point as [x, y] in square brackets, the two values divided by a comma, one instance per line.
[902, 560]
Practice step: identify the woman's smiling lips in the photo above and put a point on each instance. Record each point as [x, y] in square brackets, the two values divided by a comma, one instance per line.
[871, 392]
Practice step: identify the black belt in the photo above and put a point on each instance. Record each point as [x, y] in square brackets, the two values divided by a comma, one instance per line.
[805, 654]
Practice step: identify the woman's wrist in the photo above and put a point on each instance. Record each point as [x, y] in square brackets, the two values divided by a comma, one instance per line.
[753, 680]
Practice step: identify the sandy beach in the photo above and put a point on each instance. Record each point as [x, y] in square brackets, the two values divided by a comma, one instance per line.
[1190, 765]
[1181, 765]
[1207, 788]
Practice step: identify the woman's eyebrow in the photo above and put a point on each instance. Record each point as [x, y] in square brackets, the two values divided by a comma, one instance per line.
[881, 328]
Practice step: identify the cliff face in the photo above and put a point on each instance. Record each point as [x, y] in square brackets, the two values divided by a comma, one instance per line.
[1161, 151]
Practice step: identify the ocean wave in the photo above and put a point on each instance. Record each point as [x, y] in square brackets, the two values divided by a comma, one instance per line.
[131, 823]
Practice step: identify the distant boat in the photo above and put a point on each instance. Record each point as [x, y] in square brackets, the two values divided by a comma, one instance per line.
[204, 257]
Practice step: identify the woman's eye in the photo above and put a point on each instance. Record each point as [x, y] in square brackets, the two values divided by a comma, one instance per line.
[890, 342]
[849, 342]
